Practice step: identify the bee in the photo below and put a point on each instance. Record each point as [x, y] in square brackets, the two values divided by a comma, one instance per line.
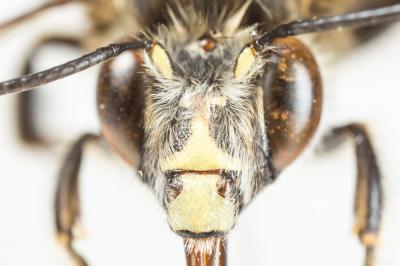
[210, 101]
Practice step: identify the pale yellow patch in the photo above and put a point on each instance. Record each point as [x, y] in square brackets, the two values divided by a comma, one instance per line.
[357, 229]
[161, 60]
[200, 152]
[63, 239]
[199, 208]
[245, 62]
[369, 239]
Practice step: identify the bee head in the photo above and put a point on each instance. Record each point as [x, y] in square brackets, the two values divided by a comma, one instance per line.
[204, 126]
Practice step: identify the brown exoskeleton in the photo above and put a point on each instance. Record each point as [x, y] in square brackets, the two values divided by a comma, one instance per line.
[211, 105]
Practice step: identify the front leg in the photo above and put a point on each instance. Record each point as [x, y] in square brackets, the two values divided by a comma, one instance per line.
[369, 195]
[67, 205]
[27, 101]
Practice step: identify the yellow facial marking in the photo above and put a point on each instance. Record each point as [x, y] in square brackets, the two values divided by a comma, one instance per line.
[200, 152]
[370, 239]
[199, 208]
[245, 62]
[161, 60]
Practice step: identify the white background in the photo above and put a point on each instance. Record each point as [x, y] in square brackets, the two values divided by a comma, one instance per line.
[305, 218]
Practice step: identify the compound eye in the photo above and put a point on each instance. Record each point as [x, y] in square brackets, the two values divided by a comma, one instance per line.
[245, 62]
[293, 100]
[161, 60]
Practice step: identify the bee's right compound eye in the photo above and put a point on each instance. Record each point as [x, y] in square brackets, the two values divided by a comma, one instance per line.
[120, 105]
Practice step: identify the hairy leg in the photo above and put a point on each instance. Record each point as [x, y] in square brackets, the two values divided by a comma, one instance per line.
[67, 205]
[369, 195]
[26, 111]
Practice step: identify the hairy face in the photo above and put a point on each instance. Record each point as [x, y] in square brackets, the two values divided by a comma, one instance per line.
[204, 148]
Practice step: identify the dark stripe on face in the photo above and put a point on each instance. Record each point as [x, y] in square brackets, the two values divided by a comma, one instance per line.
[188, 234]
[178, 172]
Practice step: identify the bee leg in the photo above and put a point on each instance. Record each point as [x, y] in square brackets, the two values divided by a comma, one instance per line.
[67, 205]
[26, 101]
[369, 195]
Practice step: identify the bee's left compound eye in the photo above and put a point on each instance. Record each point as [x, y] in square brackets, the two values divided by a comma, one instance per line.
[161, 60]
